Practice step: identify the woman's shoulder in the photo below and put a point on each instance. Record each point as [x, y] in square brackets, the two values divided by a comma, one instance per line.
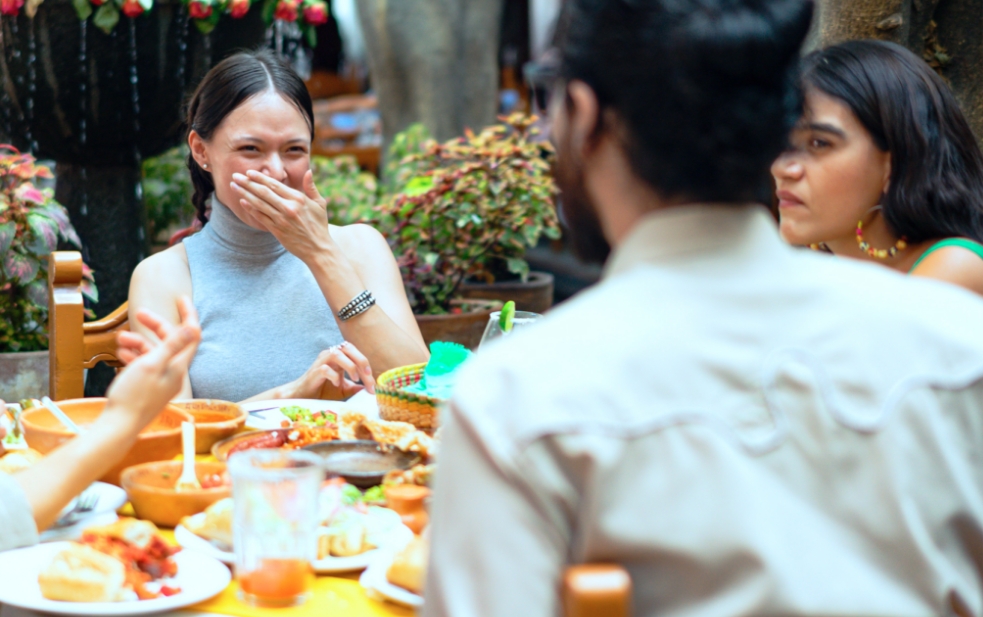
[361, 242]
[166, 268]
[956, 260]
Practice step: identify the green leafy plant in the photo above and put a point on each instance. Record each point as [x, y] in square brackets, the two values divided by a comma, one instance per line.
[167, 192]
[475, 205]
[352, 194]
[31, 225]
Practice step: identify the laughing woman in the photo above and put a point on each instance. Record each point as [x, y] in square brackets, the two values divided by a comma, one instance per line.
[288, 303]
[883, 166]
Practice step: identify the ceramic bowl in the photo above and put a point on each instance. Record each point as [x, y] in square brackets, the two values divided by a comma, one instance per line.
[214, 420]
[150, 488]
[362, 463]
[158, 441]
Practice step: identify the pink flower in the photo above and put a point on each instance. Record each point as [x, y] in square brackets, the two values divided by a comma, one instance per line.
[199, 10]
[316, 12]
[132, 8]
[10, 7]
[286, 10]
[238, 8]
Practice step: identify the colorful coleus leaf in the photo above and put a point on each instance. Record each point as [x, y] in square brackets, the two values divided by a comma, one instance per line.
[44, 234]
[88, 286]
[37, 292]
[106, 17]
[28, 192]
[7, 232]
[20, 268]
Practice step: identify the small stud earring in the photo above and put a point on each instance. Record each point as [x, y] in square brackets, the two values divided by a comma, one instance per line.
[204, 165]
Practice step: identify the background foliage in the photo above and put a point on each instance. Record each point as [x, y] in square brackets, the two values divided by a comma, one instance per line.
[32, 224]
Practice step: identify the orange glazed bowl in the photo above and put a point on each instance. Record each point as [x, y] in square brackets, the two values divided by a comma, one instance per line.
[150, 488]
[158, 441]
[214, 420]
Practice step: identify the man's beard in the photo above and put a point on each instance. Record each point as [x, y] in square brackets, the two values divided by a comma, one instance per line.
[577, 213]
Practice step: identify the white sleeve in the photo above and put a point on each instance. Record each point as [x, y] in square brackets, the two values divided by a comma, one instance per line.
[493, 551]
[17, 527]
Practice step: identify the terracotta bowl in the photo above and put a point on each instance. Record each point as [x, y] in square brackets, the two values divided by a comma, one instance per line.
[221, 449]
[159, 441]
[151, 490]
[214, 420]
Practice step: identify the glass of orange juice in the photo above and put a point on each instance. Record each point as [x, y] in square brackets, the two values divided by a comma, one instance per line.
[275, 524]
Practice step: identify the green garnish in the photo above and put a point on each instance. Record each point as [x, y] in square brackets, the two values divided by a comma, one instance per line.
[350, 495]
[506, 316]
[374, 495]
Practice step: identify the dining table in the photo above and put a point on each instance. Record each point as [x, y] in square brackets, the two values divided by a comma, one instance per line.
[337, 595]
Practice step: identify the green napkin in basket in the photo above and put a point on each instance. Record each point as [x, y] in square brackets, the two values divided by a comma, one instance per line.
[441, 371]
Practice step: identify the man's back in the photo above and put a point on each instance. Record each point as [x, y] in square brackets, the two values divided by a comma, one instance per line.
[745, 426]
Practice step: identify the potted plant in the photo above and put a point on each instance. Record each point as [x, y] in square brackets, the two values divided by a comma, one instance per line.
[514, 187]
[167, 195]
[351, 194]
[32, 224]
[468, 212]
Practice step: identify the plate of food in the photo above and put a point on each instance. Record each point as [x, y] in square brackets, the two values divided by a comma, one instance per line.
[271, 414]
[121, 569]
[352, 532]
[94, 504]
[398, 576]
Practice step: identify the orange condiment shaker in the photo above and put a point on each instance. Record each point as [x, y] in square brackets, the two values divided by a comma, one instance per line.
[407, 500]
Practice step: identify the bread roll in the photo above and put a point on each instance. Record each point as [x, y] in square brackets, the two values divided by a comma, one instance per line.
[83, 574]
[18, 460]
[409, 568]
[216, 525]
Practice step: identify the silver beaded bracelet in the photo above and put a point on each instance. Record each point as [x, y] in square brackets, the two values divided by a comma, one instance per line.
[359, 304]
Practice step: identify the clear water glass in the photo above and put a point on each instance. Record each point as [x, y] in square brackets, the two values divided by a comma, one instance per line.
[275, 524]
[493, 330]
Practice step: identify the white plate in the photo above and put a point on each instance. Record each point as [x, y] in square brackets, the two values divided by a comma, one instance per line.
[200, 578]
[398, 536]
[374, 581]
[111, 499]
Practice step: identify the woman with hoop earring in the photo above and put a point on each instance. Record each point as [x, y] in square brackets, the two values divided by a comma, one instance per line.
[883, 166]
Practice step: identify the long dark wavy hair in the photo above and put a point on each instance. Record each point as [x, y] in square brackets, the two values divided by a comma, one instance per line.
[230, 83]
[936, 188]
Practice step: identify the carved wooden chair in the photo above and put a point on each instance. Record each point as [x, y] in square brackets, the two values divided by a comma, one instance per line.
[75, 345]
[596, 590]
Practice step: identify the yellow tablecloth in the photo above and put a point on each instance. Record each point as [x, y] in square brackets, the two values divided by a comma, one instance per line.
[335, 596]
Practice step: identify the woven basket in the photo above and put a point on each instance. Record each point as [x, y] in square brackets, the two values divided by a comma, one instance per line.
[395, 404]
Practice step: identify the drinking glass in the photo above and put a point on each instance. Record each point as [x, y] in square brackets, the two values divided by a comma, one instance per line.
[521, 320]
[275, 524]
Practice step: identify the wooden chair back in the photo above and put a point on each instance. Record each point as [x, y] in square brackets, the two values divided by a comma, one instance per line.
[75, 345]
[596, 590]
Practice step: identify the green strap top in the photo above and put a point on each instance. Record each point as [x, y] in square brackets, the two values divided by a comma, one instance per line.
[976, 247]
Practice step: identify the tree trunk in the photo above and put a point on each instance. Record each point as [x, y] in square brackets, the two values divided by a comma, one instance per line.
[433, 61]
[947, 33]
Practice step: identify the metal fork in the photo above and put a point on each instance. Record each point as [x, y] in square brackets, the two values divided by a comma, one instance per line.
[85, 503]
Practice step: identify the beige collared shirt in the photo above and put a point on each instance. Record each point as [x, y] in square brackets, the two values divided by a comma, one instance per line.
[748, 428]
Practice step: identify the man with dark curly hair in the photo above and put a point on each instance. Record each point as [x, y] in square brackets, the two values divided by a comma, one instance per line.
[746, 427]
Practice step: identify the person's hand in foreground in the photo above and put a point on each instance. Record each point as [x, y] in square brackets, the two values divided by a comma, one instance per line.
[135, 398]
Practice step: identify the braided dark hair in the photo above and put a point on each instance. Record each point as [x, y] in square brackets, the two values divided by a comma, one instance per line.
[231, 82]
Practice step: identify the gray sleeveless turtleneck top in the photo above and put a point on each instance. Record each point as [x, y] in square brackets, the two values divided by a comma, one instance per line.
[263, 317]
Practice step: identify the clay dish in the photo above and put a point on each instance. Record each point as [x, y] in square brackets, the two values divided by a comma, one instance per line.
[362, 463]
[214, 420]
[158, 441]
[151, 490]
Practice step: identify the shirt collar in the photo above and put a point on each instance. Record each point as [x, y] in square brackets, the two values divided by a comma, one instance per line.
[693, 228]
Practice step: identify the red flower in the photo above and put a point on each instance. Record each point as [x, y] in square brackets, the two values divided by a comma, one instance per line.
[316, 13]
[199, 10]
[132, 8]
[98, 2]
[286, 10]
[10, 7]
[238, 8]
